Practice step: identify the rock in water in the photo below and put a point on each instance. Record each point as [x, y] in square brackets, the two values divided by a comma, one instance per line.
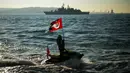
[66, 56]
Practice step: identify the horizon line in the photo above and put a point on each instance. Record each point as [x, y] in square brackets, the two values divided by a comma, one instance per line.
[56, 7]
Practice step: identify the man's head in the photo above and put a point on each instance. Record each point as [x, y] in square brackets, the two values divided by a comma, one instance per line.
[59, 37]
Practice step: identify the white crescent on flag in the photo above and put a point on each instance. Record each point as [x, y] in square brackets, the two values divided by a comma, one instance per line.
[57, 25]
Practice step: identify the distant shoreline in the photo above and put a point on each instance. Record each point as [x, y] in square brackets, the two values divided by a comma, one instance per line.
[52, 15]
[38, 10]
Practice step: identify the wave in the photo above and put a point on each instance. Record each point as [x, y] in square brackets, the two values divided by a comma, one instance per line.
[15, 63]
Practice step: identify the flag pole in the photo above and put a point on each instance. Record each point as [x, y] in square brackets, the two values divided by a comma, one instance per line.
[63, 37]
[63, 31]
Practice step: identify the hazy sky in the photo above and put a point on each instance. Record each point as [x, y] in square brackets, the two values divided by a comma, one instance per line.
[85, 5]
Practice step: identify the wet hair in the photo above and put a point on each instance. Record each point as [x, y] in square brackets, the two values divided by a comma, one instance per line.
[59, 37]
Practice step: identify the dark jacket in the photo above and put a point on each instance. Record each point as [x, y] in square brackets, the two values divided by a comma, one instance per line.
[61, 44]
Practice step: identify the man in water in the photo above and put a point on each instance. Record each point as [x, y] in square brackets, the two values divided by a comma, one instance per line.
[61, 46]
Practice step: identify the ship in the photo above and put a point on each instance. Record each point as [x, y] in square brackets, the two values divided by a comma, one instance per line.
[65, 11]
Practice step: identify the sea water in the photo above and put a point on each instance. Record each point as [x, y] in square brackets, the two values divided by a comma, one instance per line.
[103, 38]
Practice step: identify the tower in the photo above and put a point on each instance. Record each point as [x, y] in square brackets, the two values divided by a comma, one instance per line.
[112, 11]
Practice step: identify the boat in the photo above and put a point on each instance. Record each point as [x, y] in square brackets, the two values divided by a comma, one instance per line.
[65, 11]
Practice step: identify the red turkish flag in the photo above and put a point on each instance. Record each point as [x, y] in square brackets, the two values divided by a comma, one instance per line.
[55, 25]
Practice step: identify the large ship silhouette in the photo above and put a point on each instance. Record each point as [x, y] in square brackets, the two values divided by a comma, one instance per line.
[65, 11]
